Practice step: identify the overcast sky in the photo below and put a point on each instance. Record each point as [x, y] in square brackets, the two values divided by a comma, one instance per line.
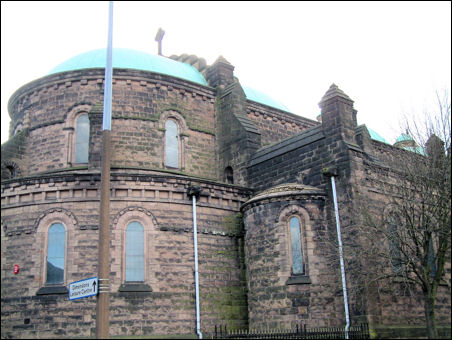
[389, 57]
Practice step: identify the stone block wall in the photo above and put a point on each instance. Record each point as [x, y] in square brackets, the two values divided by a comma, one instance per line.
[299, 159]
[237, 136]
[168, 306]
[275, 125]
[13, 155]
[244, 261]
[278, 299]
[361, 168]
[391, 302]
[141, 103]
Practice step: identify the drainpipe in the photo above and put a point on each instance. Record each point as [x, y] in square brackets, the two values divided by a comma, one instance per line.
[193, 192]
[329, 173]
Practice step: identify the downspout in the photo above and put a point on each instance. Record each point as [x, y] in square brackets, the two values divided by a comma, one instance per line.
[193, 192]
[329, 173]
[341, 257]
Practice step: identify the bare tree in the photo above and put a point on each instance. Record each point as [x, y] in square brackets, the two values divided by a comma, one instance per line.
[422, 243]
[408, 237]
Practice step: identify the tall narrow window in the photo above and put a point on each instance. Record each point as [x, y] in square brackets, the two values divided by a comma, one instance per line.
[56, 248]
[394, 243]
[431, 258]
[135, 252]
[297, 253]
[229, 175]
[10, 171]
[82, 139]
[171, 144]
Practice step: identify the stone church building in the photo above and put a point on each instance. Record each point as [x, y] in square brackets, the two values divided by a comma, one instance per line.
[264, 202]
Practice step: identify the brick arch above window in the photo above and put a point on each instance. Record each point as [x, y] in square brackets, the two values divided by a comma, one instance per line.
[73, 112]
[61, 213]
[174, 115]
[10, 170]
[136, 211]
[289, 210]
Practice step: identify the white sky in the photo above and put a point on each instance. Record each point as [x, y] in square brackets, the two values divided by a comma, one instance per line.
[389, 57]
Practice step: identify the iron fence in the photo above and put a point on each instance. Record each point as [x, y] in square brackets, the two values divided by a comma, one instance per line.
[300, 332]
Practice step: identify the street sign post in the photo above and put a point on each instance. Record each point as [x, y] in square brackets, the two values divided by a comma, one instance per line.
[83, 288]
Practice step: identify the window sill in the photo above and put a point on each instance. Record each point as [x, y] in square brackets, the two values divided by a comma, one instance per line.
[50, 290]
[299, 279]
[134, 287]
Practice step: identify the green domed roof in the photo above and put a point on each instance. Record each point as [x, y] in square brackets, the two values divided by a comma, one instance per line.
[405, 141]
[138, 60]
[132, 59]
[404, 137]
[375, 136]
[262, 98]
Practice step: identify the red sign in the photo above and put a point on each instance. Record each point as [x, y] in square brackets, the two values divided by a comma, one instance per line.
[16, 269]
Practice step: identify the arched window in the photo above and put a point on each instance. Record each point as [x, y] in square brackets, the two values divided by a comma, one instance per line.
[82, 139]
[229, 175]
[56, 249]
[11, 172]
[171, 144]
[296, 247]
[394, 242]
[134, 252]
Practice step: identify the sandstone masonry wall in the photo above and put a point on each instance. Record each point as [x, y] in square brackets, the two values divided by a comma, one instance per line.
[276, 299]
[169, 305]
[275, 125]
[141, 103]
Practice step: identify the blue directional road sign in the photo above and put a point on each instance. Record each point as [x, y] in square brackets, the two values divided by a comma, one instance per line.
[83, 288]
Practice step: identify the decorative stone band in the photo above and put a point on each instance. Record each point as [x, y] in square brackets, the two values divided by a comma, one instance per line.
[282, 192]
[80, 187]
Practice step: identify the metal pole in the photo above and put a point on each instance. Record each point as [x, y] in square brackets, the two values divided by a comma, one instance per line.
[195, 243]
[103, 299]
[341, 258]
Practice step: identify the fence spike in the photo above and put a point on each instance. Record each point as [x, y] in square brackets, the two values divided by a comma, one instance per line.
[359, 331]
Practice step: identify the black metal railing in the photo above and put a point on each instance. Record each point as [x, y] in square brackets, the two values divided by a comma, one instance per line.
[360, 331]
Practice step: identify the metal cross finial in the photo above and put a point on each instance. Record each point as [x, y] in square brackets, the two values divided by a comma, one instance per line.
[158, 38]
